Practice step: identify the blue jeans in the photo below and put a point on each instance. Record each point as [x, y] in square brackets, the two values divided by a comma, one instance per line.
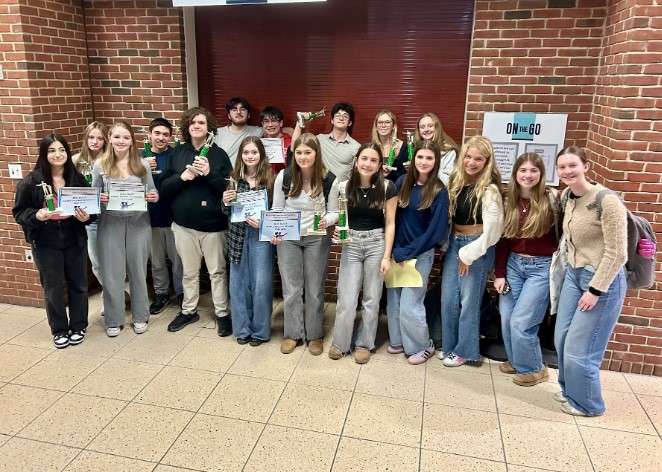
[251, 288]
[460, 300]
[303, 264]
[91, 230]
[523, 309]
[360, 262]
[407, 325]
[581, 338]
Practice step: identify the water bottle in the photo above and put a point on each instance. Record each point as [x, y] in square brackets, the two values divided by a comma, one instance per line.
[646, 248]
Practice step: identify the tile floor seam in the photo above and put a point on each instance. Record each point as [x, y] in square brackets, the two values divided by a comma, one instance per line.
[588, 454]
[498, 417]
[658, 431]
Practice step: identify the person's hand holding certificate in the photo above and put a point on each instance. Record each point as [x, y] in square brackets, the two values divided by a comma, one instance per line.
[282, 225]
[126, 197]
[71, 198]
[249, 205]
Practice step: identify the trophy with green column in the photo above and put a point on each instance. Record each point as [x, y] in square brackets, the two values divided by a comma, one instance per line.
[86, 169]
[317, 218]
[391, 154]
[232, 185]
[343, 221]
[303, 117]
[410, 144]
[175, 131]
[203, 152]
[48, 195]
[149, 155]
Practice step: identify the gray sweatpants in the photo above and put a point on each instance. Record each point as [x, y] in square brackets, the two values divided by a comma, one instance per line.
[123, 245]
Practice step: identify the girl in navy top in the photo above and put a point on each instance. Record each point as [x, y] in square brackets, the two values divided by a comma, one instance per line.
[421, 222]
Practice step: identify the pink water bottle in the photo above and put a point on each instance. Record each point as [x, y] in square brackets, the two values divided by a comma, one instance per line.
[646, 248]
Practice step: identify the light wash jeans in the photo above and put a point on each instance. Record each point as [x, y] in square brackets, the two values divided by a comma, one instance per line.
[163, 244]
[360, 262]
[251, 288]
[304, 263]
[92, 252]
[523, 309]
[407, 325]
[460, 300]
[581, 338]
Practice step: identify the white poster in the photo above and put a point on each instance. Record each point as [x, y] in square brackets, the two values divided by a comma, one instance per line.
[513, 134]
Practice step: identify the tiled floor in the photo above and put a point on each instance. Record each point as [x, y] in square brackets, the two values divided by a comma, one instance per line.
[193, 401]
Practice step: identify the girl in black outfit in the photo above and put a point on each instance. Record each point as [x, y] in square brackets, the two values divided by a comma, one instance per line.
[58, 242]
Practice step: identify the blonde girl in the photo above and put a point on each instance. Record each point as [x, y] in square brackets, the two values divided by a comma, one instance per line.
[429, 127]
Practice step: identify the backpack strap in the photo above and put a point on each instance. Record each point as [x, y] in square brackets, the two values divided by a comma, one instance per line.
[564, 199]
[556, 209]
[287, 181]
[597, 203]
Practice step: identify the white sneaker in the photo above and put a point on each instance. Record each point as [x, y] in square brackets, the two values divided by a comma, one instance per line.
[139, 328]
[454, 360]
[442, 355]
[571, 410]
[558, 396]
[112, 332]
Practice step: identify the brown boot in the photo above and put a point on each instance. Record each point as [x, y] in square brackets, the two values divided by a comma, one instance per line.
[334, 353]
[316, 347]
[507, 368]
[361, 356]
[288, 345]
[529, 380]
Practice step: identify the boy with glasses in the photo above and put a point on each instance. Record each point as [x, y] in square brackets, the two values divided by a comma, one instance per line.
[272, 123]
[338, 147]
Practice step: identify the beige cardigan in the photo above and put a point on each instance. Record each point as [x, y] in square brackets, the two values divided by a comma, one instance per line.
[492, 226]
[599, 243]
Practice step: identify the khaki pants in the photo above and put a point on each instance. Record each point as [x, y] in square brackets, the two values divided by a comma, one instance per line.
[192, 246]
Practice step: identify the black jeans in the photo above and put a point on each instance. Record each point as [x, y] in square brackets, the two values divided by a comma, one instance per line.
[59, 260]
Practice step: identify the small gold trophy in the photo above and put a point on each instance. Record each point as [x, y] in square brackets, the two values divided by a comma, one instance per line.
[87, 172]
[48, 195]
[317, 218]
[149, 155]
[343, 222]
[391, 154]
[301, 118]
[410, 144]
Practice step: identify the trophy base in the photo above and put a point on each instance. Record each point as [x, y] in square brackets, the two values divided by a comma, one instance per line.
[320, 232]
[232, 204]
[156, 171]
[194, 170]
[391, 168]
[341, 241]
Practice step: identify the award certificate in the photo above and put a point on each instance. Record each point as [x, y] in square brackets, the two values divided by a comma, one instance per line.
[87, 198]
[249, 204]
[126, 197]
[285, 224]
[274, 150]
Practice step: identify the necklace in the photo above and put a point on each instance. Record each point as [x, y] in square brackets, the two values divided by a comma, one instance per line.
[251, 176]
[524, 204]
[365, 191]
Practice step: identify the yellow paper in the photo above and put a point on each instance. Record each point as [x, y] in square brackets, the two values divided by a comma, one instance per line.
[407, 276]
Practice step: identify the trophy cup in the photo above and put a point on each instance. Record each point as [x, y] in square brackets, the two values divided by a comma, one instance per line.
[233, 186]
[48, 195]
[203, 152]
[175, 130]
[343, 224]
[301, 119]
[410, 144]
[316, 231]
[148, 149]
[87, 172]
[391, 154]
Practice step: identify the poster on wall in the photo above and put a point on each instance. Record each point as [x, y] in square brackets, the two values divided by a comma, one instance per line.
[513, 134]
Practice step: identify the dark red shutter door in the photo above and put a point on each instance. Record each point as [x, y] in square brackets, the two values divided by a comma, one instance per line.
[409, 56]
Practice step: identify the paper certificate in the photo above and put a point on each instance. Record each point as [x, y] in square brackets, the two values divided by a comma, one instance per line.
[274, 150]
[87, 198]
[285, 224]
[249, 204]
[406, 276]
[126, 197]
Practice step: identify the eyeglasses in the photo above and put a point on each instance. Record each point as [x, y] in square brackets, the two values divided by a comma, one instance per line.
[238, 110]
[384, 123]
[341, 116]
[270, 121]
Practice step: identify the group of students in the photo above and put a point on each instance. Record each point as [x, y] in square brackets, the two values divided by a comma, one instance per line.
[400, 207]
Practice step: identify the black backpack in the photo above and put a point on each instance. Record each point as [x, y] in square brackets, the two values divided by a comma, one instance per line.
[640, 269]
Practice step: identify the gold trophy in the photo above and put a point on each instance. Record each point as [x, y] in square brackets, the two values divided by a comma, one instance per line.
[317, 218]
[301, 118]
[48, 196]
[343, 222]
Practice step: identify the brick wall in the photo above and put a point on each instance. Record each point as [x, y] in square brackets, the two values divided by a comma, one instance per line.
[42, 50]
[624, 139]
[599, 62]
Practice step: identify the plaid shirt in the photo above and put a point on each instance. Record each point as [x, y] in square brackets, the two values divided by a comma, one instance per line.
[235, 240]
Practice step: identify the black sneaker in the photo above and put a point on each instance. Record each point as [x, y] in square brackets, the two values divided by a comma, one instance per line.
[243, 341]
[182, 320]
[224, 326]
[61, 340]
[160, 303]
[256, 342]
[77, 337]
